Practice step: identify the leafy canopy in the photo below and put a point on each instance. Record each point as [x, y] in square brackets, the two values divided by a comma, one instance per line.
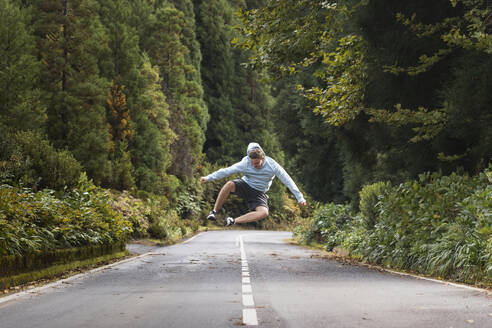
[287, 37]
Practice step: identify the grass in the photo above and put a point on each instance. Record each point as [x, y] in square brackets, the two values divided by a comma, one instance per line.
[25, 280]
[344, 256]
[38, 277]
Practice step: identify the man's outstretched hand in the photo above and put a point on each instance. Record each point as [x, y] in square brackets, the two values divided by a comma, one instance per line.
[203, 180]
[302, 203]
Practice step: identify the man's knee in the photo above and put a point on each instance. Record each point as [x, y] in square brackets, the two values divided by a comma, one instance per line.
[230, 186]
[263, 210]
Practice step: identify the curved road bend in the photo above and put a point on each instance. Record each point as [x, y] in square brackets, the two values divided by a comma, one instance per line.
[234, 278]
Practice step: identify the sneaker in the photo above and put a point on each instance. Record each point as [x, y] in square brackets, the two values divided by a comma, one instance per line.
[211, 216]
[229, 221]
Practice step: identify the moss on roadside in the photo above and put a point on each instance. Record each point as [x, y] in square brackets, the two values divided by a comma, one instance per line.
[57, 271]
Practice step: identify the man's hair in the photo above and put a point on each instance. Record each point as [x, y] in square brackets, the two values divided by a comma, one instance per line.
[256, 153]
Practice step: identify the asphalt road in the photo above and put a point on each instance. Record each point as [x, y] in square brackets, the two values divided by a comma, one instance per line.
[234, 278]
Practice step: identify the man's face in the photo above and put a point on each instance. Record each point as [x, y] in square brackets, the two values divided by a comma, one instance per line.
[256, 162]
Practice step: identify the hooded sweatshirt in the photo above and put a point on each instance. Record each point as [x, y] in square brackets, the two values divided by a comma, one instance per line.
[260, 179]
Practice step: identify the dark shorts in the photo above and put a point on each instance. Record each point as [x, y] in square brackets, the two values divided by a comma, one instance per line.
[251, 196]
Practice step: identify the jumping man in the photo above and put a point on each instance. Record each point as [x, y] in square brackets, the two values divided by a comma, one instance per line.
[258, 173]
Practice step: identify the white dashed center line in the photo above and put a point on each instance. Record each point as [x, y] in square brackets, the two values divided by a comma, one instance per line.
[247, 289]
[249, 312]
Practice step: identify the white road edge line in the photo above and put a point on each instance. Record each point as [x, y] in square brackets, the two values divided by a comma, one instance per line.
[188, 240]
[67, 280]
[78, 276]
[442, 282]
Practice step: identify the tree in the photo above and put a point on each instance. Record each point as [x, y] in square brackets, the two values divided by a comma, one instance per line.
[20, 105]
[169, 40]
[287, 37]
[151, 153]
[312, 149]
[224, 143]
[240, 104]
[387, 73]
[70, 41]
[118, 116]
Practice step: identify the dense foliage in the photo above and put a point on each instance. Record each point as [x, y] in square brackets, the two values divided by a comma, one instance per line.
[438, 225]
[128, 88]
[26, 157]
[401, 84]
[40, 221]
[357, 99]
[123, 91]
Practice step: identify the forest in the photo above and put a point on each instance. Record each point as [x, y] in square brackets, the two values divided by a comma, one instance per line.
[380, 110]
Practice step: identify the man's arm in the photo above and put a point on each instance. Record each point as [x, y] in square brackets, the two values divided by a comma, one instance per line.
[287, 180]
[225, 172]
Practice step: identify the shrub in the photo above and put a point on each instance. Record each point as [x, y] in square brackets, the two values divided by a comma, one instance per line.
[39, 221]
[437, 225]
[354, 237]
[329, 222]
[486, 258]
[167, 226]
[189, 205]
[457, 255]
[28, 157]
[158, 231]
[370, 195]
[122, 173]
[157, 183]
[134, 210]
[193, 224]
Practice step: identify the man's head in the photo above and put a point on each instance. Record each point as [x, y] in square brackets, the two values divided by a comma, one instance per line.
[256, 157]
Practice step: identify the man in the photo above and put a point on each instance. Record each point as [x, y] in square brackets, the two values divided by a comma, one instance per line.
[258, 173]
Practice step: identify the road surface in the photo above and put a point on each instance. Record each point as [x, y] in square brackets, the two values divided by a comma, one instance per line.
[234, 278]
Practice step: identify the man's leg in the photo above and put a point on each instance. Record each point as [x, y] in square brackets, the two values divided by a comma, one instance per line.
[259, 213]
[229, 187]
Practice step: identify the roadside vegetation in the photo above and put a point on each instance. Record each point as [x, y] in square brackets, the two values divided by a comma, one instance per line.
[437, 225]
[396, 147]
[111, 110]
[104, 121]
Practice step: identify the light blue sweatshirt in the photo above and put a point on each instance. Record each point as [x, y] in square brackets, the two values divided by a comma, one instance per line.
[259, 179]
